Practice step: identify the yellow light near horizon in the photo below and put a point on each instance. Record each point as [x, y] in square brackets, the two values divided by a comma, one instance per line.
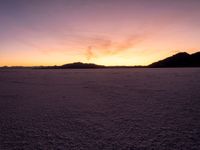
[115, 61]
[131, 57]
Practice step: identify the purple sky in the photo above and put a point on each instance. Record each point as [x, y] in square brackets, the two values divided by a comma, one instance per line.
[109, 32]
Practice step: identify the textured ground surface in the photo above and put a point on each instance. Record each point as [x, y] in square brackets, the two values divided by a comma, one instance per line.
[100, 109]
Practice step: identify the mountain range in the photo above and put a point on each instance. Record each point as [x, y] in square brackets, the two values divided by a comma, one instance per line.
[182, 59]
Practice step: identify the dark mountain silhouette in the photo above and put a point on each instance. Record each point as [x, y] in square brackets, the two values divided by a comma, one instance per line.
[182, 59]
[81, 65]
[195, 61]
[76, 65]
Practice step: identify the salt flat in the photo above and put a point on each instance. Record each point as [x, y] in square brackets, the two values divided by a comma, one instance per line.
[100, 109]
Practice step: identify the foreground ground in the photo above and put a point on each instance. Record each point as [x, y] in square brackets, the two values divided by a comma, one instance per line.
[100, 109]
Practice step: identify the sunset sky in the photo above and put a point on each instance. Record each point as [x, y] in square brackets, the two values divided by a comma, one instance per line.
[107, 32]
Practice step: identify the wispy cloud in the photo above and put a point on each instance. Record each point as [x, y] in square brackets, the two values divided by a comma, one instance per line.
[100, 47]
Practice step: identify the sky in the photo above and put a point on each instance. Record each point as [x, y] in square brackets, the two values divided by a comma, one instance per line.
[107, 32]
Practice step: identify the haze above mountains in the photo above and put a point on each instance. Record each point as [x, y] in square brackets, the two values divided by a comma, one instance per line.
[182, 59]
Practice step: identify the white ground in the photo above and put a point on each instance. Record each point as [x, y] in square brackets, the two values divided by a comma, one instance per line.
[100, 109]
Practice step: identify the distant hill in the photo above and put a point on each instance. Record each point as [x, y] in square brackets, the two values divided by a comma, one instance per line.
[76, 65]
[182, 59]
[81, 65]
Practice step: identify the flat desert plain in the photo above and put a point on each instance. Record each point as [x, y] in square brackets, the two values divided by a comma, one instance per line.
[97, 109]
